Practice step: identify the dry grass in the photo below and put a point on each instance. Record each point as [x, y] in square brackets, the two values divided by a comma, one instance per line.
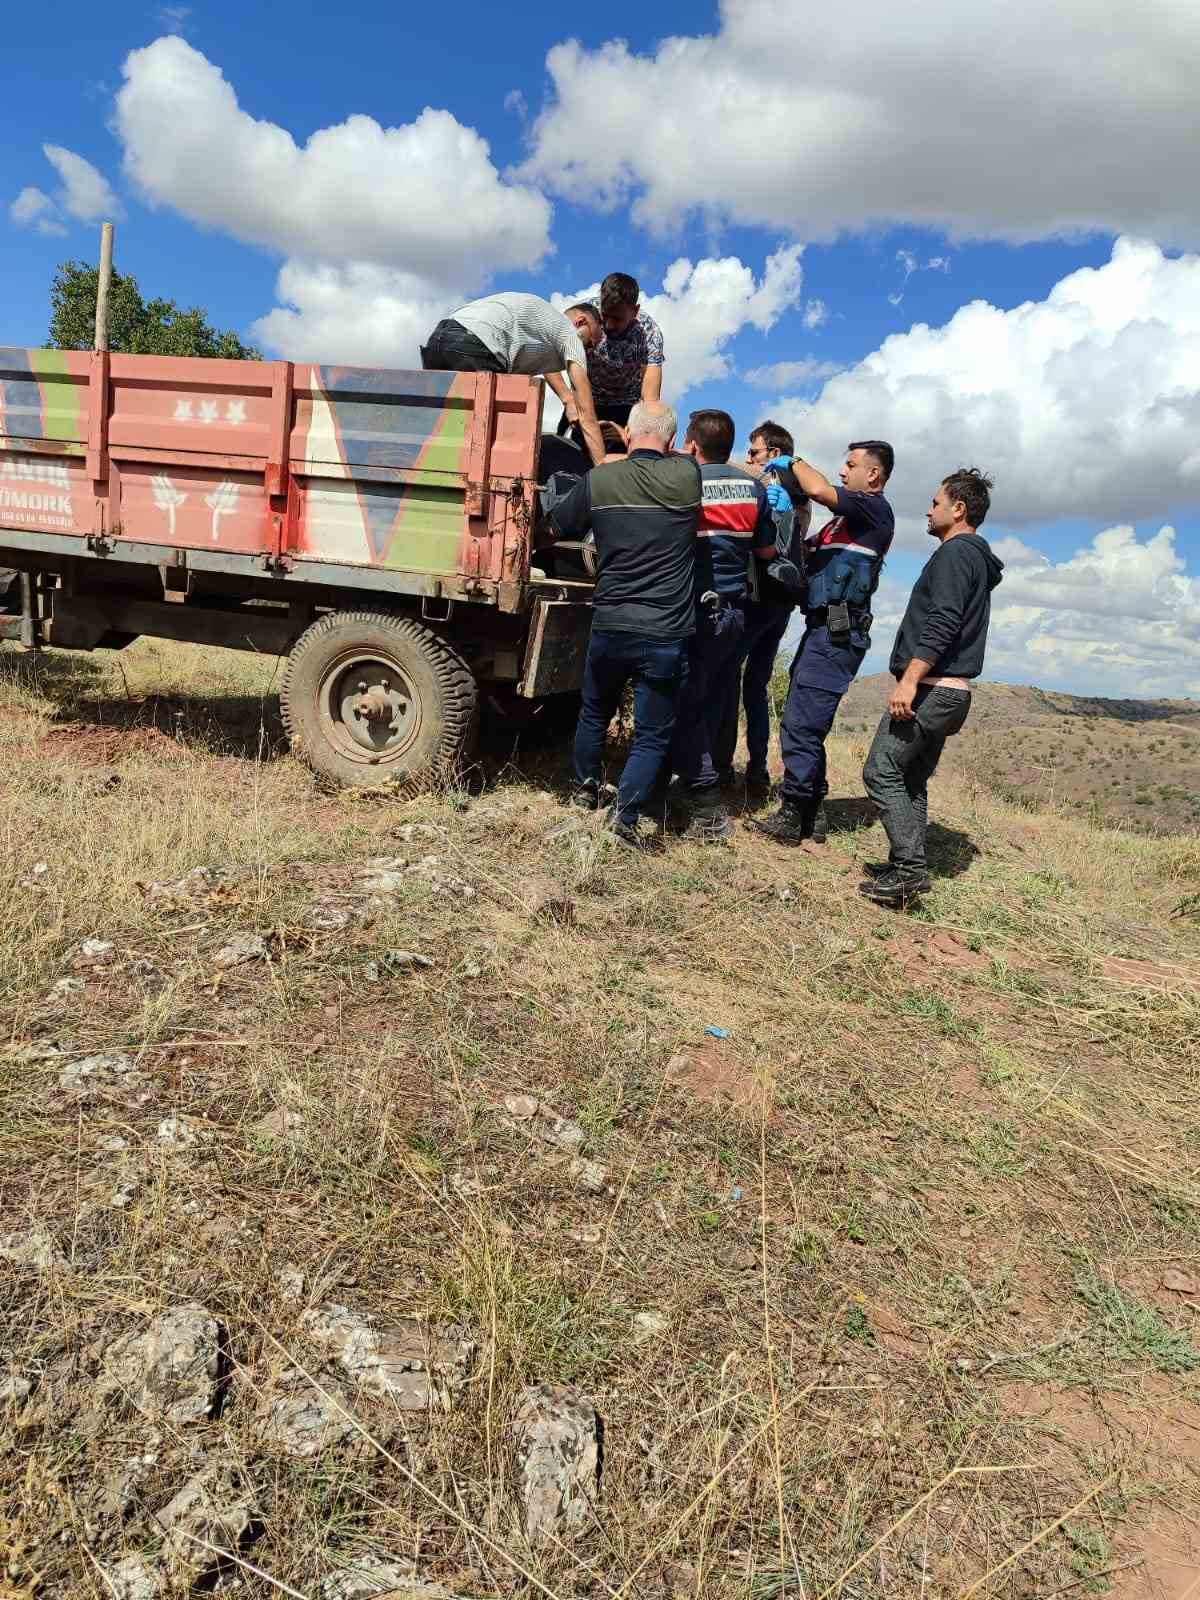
[917, 1341]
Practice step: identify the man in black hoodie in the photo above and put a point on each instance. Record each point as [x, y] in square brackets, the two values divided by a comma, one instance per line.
[938, 651]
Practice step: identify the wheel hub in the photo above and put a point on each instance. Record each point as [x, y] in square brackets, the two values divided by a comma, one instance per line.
[375, 707]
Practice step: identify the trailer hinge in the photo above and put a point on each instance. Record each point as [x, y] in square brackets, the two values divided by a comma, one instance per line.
[279, 566]
[99, 544]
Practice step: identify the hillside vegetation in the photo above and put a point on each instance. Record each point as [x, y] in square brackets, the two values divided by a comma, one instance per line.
[872, 1241]
[1129, 763]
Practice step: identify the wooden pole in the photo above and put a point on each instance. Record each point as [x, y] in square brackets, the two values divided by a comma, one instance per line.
[103, 285]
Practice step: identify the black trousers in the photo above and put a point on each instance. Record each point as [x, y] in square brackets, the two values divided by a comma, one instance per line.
[453, 348]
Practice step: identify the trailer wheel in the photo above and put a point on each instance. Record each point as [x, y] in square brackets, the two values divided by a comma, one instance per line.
[369, 697]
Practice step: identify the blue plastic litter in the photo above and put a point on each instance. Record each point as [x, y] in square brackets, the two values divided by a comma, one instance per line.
[717, 1033]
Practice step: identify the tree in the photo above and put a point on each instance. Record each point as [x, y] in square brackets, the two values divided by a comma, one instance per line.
[135, 326]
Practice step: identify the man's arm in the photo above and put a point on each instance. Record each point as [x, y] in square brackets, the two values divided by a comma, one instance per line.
[900, 701]
[586, 408]
[572, 516]
[815, 484]
[559, 385]
[652, 374]
[652, 383]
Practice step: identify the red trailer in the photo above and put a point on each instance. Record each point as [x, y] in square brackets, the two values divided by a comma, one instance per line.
[374, 526]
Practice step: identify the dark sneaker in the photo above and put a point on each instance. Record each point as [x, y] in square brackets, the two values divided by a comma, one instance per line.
[586, 796]
[878, 869]
[628, 834]
[897, 890]
[791, 824]
[709, 826]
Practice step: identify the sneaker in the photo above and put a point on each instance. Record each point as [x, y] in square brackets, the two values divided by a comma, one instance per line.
[791, 824]
[628, 834]
[585, 796]
[711, 826]
[896, 889]
[878, 869]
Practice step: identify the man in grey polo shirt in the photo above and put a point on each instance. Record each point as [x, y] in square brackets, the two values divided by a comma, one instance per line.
[523, 333]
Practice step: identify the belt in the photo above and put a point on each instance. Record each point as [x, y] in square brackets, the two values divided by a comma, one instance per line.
[815, 618]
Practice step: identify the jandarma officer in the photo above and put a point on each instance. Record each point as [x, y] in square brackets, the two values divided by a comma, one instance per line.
[844, 562]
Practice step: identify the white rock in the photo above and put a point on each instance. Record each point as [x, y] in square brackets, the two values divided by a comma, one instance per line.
[399, 959]
[211, 1513]
[179, 1133]
[283, 1125]
[366, 1575]
[134, 1578]
[648, 1325]
[14, 1389]
[589, 1175]
[170, 1369]
[112, 1143]
[96, 952]
[557, 1437]
[92, 1073]
[32, 1248]
[67, 986]
[414, 1365]
[305, 1420]
[521, 1106]
[241, 948]
[290, 1279]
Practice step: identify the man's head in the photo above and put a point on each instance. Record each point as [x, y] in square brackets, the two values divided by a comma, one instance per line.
[710, 435]
[585, 320]
[868, 467]
[960, 504]
[619, 303]
[651, 426]
[767, 441]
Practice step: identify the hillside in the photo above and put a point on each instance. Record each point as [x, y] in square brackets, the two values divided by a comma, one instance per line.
[861, 1253]
[1132, 763]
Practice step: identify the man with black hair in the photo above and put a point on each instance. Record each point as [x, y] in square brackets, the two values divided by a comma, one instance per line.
[769, 609]
[844, 562]
[939, 650]
[625, 364]
[736, 525]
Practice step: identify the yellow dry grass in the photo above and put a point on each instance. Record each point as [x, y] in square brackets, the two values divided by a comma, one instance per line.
[916, 1342]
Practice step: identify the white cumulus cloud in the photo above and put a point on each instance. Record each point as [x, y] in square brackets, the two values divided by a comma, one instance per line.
[786, 374]
[1082, 405]
[86, 192]
[359, 314]
[416, 198]
[33, 206]
[1064, 120]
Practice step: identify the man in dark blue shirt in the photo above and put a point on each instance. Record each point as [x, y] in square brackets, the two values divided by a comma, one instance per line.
[643, 511]
[844, 562]
[736, 524]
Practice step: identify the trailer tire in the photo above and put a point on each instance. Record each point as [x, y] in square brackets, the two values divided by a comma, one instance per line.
[369, 698]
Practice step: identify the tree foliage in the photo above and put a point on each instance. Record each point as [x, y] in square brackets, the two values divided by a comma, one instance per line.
[136, 326]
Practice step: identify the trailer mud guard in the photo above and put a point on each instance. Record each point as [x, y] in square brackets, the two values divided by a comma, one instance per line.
[557, 648]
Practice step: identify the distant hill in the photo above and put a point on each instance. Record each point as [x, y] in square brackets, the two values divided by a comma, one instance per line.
[1135, 762]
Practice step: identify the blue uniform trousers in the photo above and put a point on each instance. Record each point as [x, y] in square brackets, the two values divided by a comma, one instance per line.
[750, 683]
[712, 661]
[823, 670]
[657, 668]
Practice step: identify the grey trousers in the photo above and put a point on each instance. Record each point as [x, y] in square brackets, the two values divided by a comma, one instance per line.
[901, 761]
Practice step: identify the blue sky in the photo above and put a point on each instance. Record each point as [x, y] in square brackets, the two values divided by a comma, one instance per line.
[716, 153]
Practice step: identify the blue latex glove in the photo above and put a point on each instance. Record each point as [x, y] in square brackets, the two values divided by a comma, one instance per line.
[778, 498]
[779, 463]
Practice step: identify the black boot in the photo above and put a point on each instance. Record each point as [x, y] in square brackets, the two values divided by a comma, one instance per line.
[896, 889]
[791, 824]
[878, 869]
[818, 824]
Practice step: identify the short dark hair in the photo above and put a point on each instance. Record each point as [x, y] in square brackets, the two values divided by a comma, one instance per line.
[714, 432]
[590, 310]
[973, 488]
[618, 289]
[777, 437]
[880, 452]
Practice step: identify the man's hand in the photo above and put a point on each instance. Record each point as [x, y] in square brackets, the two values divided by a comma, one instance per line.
[779, 463]
[778, 498]
[900, 702]
[571, 409]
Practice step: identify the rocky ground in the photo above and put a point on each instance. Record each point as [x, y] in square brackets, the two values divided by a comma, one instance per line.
[422, 1197]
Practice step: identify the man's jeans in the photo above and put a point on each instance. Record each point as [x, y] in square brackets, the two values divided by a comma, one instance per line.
[823, 670]
[901, 761]
[712, 661]
[750, 684]
[657, 668]
[453, 348]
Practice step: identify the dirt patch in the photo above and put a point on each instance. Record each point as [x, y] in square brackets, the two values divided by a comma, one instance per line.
[89, 746]
[1163, 976]
[719, 1076]
[948, 951]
